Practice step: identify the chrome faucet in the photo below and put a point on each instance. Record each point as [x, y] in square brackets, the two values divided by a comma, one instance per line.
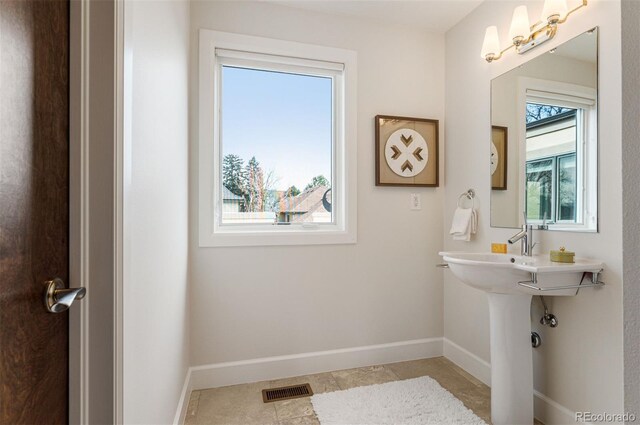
[525, 236]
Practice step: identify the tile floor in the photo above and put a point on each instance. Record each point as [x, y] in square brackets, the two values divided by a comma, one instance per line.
[242, 404]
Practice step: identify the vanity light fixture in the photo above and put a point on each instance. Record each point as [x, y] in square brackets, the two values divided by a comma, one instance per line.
[524, 36]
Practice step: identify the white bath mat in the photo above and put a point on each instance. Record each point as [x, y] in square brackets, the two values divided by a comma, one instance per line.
[419, 401]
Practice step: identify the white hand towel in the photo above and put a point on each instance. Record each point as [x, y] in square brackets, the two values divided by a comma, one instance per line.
[465, 223]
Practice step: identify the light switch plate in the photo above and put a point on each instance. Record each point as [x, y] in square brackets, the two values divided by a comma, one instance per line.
[415, 201]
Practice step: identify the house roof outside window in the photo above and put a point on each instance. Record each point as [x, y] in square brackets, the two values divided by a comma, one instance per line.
[303, 206]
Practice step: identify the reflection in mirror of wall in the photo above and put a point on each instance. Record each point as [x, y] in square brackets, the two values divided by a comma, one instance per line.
[548, 108]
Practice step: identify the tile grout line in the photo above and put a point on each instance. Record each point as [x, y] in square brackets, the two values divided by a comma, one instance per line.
[392, 372]
[336, 380]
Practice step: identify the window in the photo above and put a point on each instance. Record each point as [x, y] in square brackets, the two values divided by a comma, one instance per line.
[552, 145]
[277, 142]
[551, 189]
[558, 145]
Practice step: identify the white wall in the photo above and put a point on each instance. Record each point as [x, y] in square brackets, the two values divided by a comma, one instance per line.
[580, 364]
[255, 302]
[156, 211]
[631, 198]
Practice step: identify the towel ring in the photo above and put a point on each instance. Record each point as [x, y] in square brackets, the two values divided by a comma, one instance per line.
[469, 194]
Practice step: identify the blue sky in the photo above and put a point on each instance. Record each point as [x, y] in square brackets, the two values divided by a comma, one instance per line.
[284, 120]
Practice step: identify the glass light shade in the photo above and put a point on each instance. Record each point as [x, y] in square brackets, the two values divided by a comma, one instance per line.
[520, 23]
[491, 44]
[554, 7]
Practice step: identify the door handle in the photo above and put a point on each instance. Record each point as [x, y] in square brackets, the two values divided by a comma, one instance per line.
[57, 298]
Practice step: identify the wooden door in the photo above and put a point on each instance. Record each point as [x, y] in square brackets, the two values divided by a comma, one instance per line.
[34, 208]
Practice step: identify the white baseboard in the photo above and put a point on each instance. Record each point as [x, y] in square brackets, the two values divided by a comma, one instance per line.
[254, 370]
[468, 361]
[550, 412]
[183, 403]
[241, 372]
[545, 409]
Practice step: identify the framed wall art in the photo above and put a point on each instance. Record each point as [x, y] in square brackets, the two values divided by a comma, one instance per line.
[406, 151]
[499, 141]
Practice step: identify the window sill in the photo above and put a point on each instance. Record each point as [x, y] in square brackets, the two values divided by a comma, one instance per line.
[280, 237]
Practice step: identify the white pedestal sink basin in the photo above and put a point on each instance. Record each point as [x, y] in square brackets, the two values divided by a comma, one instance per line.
[509, 315]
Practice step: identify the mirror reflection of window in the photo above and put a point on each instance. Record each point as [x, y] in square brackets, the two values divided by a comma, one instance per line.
[551, 173]
[539, 189]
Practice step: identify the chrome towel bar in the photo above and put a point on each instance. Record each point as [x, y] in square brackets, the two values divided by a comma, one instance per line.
[533, 283]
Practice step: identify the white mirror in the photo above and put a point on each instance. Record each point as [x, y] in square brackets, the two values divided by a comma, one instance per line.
[544, 140]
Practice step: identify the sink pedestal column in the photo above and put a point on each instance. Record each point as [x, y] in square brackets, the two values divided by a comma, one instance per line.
[511, 359]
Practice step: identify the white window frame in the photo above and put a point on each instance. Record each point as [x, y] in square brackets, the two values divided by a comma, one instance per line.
[575, 97]
[295, 57]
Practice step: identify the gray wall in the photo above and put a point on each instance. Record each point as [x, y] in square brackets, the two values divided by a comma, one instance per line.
[631, 200]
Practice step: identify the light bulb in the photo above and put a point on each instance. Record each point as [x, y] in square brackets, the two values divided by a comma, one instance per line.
[491, 44]
[520, 29]
[554, 10]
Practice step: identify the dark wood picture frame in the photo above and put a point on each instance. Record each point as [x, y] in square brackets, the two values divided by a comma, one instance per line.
[500, 139]
[428, 129]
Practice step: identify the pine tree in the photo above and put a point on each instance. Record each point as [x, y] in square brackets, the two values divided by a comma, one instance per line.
[233, 174]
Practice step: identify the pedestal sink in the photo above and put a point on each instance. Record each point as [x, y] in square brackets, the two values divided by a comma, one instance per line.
[510, 281]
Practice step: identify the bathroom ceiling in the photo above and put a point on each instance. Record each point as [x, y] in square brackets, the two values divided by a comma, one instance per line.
[430, 15]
